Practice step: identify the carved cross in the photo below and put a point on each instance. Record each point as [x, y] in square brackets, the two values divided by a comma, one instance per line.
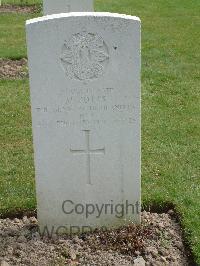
[88, 152]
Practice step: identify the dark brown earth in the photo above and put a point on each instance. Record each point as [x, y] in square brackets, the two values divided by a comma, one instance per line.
[157, 241]
[13, 69]
[19, 9]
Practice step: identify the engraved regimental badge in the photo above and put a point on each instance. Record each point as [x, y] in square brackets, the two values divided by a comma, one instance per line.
[85, 56]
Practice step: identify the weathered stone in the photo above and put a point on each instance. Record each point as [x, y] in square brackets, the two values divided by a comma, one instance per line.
[85, 97]
[64, 6]
[139, 262]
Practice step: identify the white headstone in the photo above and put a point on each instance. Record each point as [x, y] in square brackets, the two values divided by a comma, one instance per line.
[64, 6]
[85, 97]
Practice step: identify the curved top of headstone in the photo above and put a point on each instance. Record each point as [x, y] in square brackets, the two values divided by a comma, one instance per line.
[81, 14]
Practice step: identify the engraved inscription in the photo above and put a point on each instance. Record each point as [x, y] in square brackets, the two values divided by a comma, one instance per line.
[85, 56]
[89, 107]
[88, 152]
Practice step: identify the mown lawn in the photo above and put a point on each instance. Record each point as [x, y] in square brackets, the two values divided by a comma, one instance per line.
[16, 155]
[12, 35]
[21, 2]
[170, 110]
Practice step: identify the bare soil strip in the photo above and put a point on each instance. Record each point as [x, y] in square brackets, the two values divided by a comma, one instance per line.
[19, 9]
[158, 241]
[13, 69]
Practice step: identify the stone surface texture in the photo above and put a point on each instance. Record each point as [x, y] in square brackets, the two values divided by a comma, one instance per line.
[64, 6]
[85, 96]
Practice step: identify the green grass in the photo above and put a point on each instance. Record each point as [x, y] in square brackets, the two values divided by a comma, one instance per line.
[16, 155]
[21, 2]
[170, 111]
[12, 30]
[12, 35]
